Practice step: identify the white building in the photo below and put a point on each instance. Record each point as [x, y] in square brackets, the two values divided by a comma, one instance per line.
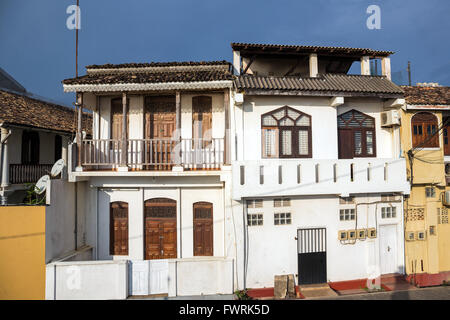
[198, 181]
[318, 174]
[34, 134]
[154, 181]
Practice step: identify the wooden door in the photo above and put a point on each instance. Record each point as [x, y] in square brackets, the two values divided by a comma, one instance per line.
[160, 223]
[203, 229]
[201, 121]
[160, 124]
[118, 228]
[345, 143]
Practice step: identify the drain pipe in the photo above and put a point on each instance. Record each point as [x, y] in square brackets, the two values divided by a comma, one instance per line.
[4, 174]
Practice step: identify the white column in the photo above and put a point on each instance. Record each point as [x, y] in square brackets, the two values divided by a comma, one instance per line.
[313, 65]
[237, 62]
[365, 66]
[5, 161]
[386, 67]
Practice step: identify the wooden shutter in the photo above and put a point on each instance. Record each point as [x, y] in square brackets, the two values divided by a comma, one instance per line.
[203, 229]
[116, 119]
[202, 118]
[118, 228]
[424, 124]
[345, 137]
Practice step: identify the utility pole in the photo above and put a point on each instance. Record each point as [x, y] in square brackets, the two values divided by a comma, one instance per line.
[76, 37]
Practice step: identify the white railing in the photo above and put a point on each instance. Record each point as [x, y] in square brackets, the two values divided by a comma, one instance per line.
[154, 154]
[276, 177]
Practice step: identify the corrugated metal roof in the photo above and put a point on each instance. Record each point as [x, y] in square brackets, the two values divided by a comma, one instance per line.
[326, 82]
[299, 48]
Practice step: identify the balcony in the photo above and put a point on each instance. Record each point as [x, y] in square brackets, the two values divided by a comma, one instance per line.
[27, 173]
[152, 154]
[265, 178]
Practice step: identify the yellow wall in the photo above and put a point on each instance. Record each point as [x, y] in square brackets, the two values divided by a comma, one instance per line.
[428, 170]
[22, 252]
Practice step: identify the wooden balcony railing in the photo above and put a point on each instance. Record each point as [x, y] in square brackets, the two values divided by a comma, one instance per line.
[153, 154]
[27, 173]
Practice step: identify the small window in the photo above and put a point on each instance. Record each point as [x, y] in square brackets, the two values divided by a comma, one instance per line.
[282, 218]
[255, 219]
[346, 200]
[284, 202]
[432, 230]
[347, 214]
[430, 192]
[388, 212]
[256, 203]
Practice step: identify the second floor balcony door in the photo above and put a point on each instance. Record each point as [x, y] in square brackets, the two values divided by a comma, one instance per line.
[160, 124]
[117, 129]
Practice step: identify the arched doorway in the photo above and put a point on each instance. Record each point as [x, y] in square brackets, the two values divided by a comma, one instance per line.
[160, 227]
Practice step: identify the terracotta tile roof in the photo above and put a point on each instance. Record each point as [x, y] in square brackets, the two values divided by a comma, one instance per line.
[17, 109]
[307, 49]
[326, 82]
[157, 64]
[155, 72]
[427, 95]
[154, 77]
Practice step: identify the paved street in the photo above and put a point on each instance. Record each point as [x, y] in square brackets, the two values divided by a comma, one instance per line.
[435, 293]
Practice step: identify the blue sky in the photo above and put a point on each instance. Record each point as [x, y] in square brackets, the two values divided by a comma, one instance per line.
[38, 50]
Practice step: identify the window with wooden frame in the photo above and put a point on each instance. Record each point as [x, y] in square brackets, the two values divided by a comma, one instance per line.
[424, 127]
[118, 234]
[286, 133]
[201, 121]
[356, 135]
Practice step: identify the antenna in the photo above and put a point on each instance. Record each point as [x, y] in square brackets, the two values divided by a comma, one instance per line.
[409, 73]
[41, 185]
[57, 168]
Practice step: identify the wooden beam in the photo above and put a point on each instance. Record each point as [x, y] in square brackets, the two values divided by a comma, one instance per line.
[123, 158]
[249, 64]
[226, 105]
[79, 107]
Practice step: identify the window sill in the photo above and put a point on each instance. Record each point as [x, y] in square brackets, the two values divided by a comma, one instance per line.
[430, 149]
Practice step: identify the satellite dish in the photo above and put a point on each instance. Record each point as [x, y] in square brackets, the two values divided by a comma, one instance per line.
[41, 185]
[57, 168]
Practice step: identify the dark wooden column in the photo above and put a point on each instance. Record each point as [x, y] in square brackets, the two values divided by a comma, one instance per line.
[79, 106]
[123, 158]
[226, 105]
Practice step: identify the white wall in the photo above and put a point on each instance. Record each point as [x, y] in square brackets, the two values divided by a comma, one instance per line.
[324, 123]
[272, 249]
[135, 197]
[86, 280]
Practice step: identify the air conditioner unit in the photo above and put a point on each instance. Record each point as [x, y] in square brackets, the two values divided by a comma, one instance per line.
[446, 198]
[238, 99]
[390, 118]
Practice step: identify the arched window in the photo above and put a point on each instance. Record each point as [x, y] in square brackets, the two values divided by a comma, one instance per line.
[203, 229]
[118, 234]
[286, 133]
[356, 134]
[424, 126]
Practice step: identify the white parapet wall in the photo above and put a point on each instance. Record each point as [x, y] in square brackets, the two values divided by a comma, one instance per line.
[86, 280]
[277, 177]
[201, 276]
